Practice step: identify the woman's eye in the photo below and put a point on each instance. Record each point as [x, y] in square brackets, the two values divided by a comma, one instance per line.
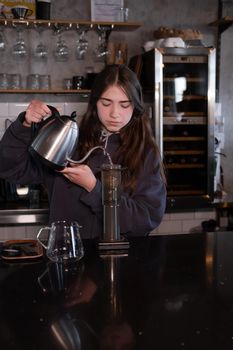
[125, 104]
[105, 103]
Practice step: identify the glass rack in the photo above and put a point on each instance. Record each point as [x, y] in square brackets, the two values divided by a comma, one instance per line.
[72, 24]
[57, 24]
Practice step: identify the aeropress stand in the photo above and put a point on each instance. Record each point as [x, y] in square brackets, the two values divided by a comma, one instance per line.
[111, 183]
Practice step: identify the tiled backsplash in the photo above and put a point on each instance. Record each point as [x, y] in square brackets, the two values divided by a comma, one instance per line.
[10, 111]
[184, 222]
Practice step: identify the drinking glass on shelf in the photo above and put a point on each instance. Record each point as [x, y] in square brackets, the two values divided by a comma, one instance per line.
[124, 14]
[67, 84]
[15, 81]
[4, 81]
[41, 50]
[45, 82]
[33, 81]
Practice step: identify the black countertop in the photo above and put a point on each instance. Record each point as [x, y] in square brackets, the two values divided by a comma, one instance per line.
[168, 292]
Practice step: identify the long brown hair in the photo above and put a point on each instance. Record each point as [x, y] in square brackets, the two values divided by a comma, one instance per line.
[136, 138]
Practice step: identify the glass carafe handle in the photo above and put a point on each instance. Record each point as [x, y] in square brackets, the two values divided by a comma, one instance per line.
[39, 233]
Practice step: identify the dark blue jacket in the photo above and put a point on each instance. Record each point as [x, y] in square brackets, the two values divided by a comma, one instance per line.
[139, 213]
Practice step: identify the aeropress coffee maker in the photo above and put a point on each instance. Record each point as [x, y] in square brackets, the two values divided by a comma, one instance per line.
[111, 186]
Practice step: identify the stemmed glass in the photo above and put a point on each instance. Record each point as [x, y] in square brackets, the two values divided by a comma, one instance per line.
[2, 40]
[19, 48]
[41, 50]
[61, 52]
[101, 51]
[81, 44]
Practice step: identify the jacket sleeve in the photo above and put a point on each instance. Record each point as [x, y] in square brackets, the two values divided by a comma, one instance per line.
[16, 164]
[143, 211]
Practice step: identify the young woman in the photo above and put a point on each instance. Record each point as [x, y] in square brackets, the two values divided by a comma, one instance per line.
[115, 119]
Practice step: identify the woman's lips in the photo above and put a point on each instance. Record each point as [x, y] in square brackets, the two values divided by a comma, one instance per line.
[114, 124]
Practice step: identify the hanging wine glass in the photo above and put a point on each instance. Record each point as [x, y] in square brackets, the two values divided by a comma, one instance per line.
[2, 40]
[101, 51]
[41, 50]
[19, 48]
[61, 51]
[81, 44]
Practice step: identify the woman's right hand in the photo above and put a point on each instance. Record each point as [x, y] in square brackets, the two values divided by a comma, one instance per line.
[36, 111]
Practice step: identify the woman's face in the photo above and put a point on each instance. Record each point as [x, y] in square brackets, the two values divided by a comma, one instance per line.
[114, 109]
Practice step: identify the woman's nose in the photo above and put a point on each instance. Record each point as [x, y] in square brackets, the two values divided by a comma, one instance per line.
[115, 111]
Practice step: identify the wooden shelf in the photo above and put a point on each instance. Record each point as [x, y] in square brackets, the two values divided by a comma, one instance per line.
[185, 114]
[184, 152]
[73, 24]
[188, 79]
[51, 91]
[223, 23]
[184, 166]
[185, 192]
[186, 97]
[183, 138]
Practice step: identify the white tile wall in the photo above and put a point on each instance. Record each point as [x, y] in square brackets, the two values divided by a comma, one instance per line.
[4, 108]
[181, 216]
[80, 108]
[15, 108]
[11, 110]
[167, 227]
[187, 222]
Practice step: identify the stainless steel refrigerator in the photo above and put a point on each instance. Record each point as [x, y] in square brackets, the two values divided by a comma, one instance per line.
[179, 91]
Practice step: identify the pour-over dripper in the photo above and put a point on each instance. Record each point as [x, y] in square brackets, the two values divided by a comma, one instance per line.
[21, 12]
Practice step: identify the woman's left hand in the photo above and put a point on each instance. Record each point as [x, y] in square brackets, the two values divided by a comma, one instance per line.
[81, 175]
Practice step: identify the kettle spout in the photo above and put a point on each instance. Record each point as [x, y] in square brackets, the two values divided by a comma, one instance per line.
[88, 154]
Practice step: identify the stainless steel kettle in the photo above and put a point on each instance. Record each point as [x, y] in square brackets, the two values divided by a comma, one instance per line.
[56, 140]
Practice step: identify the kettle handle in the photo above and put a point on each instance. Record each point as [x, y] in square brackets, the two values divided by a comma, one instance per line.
[54, 111]
[36, 126]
